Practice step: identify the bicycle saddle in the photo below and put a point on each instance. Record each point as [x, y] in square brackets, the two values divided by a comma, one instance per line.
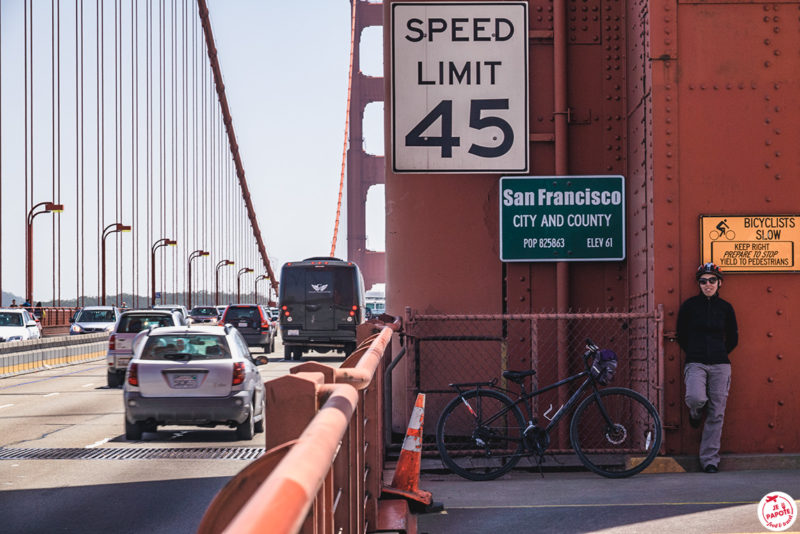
[518, 376]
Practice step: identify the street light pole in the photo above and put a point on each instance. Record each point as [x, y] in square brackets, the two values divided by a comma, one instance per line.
[239, 284]
[193, 255]
[163, 242]
[48, 208]
[108, 230]
[255, 284]
[221, 263]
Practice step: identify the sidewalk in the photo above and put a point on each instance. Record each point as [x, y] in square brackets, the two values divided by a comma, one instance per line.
[566, 502]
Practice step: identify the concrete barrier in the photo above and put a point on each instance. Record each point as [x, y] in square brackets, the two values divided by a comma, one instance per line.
[17, 357]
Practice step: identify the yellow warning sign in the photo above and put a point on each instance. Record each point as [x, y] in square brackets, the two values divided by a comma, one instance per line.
[750, 243]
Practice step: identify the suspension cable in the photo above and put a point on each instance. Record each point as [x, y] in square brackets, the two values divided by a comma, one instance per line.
[346, 127]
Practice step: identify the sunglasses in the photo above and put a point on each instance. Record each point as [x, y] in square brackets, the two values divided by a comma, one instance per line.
[704, 281]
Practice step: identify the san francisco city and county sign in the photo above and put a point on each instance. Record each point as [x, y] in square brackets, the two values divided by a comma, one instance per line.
[562, 218]
[750, 243]
[459, 96]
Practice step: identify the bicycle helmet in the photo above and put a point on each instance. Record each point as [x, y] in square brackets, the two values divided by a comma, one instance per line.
[708, 268]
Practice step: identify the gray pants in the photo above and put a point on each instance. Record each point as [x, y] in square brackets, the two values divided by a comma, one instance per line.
[707, 386]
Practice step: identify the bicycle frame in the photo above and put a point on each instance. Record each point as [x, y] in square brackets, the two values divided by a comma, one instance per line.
[525, 397]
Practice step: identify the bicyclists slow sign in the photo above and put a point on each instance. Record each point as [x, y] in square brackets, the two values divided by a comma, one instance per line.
[750, 243]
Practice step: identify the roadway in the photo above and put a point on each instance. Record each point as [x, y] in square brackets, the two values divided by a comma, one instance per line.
[573, 502]
[69, 412]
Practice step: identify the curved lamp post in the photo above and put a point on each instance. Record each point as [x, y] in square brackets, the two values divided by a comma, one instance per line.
[49, 207]
[221, 263]
[193, 255]
[107, 231]
[163, 242]
[239, 283]
[255, 285]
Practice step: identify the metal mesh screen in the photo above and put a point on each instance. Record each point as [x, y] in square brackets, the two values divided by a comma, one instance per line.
[478, 348]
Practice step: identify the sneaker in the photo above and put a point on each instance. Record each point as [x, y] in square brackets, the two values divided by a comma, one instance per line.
[711, 468]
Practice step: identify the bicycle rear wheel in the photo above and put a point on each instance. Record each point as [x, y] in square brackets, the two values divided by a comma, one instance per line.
[626, 446]
[479, 434]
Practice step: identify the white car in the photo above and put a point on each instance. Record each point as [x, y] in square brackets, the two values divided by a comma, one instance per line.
[93, 320]
[195, 376]
[17, 324]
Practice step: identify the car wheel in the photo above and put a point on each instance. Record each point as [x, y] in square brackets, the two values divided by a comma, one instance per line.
[272, 344]
[287, 353]
[133, 431]
[115, 379]
[297, 354]
[258, 426]
[246, 430]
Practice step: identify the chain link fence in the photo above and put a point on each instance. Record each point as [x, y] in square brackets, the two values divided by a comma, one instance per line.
[449, 349]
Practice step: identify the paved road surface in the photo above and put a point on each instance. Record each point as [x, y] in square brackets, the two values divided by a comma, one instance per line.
[562, 503]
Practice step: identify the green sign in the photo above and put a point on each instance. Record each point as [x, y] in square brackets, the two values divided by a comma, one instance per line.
[562, 218]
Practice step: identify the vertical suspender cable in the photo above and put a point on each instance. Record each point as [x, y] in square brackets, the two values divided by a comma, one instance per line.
[174, 140]
[148, 130]
[346, 127]
[117, 147]
[27, 242]
[1, 156]
[57, 299]
[100, 132]
[53, 138]
[135, 151]
[82, 211]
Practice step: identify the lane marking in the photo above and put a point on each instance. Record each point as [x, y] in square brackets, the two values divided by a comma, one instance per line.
[598, 505]
[97, 443]
[6, 406]
[90, 384]
[53, 394]
[62, 375]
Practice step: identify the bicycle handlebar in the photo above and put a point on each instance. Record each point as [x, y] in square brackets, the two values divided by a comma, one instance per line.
[591, 348]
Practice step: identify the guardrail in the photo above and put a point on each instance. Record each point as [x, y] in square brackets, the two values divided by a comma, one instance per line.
[18, 357]
[323, 468]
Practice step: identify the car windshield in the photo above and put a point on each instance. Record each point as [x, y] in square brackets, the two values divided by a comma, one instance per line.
[242, 313]
[185, 347]
[96, 316]
[133, 324]
[10, 319]
[204, 311]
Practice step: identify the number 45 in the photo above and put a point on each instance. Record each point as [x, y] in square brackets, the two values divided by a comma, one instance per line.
[446, 141]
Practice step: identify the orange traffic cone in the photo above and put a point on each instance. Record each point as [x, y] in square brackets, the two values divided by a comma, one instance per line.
[406, 476]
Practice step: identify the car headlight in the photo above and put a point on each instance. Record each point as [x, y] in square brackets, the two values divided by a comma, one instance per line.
[14, 338]
[75, 329]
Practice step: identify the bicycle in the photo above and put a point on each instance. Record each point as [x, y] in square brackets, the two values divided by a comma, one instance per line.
[482, 433]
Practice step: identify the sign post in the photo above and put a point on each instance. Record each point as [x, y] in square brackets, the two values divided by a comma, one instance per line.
[459, 99]
[562, 218]
[750, 243]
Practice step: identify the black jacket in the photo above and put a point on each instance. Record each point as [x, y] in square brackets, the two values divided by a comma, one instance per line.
[707, 330]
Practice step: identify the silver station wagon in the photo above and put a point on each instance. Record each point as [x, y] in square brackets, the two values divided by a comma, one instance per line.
[194, 376]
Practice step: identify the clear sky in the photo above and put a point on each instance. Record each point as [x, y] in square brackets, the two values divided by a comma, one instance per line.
[285, 67]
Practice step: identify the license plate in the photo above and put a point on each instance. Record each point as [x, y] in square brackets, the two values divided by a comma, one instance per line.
[122, 361]
[184, 381]
[242, 325]
[293, 332]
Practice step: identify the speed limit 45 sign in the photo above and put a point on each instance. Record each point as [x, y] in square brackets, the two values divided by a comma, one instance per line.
[459, 99]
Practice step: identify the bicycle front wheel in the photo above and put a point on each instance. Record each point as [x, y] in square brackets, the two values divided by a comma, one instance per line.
[616, 432]
[479, 434]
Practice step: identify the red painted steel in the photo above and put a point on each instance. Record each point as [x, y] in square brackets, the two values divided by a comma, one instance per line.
[692, 102]
[363, 170]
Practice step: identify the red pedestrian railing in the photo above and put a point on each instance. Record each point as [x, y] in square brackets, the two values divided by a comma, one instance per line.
[323, 468]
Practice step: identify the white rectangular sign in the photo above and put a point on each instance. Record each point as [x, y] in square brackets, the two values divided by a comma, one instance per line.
[459, 99]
